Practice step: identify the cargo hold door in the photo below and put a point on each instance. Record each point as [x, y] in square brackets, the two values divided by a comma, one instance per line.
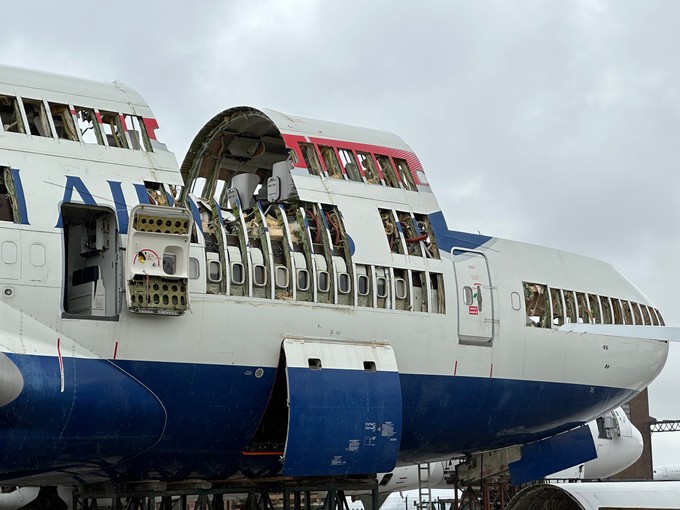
[345, 411]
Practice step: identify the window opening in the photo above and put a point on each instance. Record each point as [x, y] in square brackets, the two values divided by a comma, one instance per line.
[419, 293]
[606, 310]
[536, 304]
[63, 122]
[438, 303]
[8, 203]
[302, 280]
[112, 126]
[655, 317]
[324, 281]
[570, 304]
[429, 242]
[582, 309]
[344, 283]
[11, 115]
[594, 307]
[387, 170]
[557, 307]
[405, 174]
[618, 313]
[646, 315]
[139, 138]
[367, 165]
[350, 164]
[391, 231]
[311, 158]
[637, 316]
[36, 116]
[281, 252]
[627, 315]
[331, 162]
[88, 125]
[259, 275]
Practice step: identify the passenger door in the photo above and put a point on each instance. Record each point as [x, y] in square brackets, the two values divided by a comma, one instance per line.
[475, 297]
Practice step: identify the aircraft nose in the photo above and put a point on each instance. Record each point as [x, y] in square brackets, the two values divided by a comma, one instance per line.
[11, 380]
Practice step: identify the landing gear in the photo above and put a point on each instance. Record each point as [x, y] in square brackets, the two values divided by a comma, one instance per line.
[262, 494]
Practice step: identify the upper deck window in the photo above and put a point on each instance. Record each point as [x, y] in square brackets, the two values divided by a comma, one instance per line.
[350, 164]
[387, 170]
[331, 162]
[38, 122]
[112, 126]
[311, 158]
[405, 174]
[88, 125]
[368, 167]
[139, 138]
[63, 122]
[11, 115]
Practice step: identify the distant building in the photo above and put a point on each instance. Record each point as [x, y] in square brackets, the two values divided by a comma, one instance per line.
[638, 412]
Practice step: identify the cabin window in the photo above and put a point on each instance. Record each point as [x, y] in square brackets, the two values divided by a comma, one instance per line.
[281, 277]
[557, 307]
[368, 166]
[214, 271]
[387, 170]
[11, 115]
[112, 125]
[364, 297]
[324, 281]
[169, 263]
[401, 289]
[139, 138]
[259, 275]
[381, 285]
[194, 269]
[536, 304]
[36, 116]
[331, 162]
[88, 125]
[303, 279]
[311, 159]
[658, 313]
[63, 122]
[344, 283]
[350, 164]
[606, 310]
[405, 174]
[238, 275]
[468, 295]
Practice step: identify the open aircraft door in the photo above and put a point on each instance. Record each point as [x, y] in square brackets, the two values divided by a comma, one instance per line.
[344, 409]
[475, 297]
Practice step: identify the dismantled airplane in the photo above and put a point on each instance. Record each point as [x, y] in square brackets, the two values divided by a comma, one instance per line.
[288, 301]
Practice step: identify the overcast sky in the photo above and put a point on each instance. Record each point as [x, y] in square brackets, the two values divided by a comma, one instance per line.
[554, 123]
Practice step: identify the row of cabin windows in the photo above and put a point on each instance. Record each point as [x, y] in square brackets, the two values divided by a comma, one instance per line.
[547, 307]
[421, 292]
[42, 118]
[359, 166]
